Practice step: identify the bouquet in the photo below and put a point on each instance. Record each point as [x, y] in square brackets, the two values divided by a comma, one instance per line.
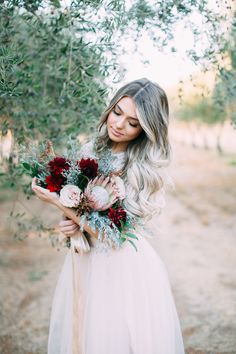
[96, 194]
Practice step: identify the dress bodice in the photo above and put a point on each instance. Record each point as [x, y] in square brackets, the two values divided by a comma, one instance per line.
[107, 160]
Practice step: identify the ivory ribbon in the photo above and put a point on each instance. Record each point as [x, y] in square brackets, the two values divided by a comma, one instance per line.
[76, 303]
[79, 244]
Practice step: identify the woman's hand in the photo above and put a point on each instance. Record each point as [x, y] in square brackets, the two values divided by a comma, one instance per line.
[44, 194]
[68, 227]
[78, 241]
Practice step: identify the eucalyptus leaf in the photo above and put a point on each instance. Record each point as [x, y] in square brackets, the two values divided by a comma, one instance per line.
[129, 234]
[27, 166]
[133, 244]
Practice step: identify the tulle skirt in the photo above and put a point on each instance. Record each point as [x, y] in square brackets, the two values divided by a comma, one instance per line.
[124, 304]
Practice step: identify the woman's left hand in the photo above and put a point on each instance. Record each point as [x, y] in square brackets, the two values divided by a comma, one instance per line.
[44, 194]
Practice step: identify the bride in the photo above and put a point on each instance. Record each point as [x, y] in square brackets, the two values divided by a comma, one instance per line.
[119, 301]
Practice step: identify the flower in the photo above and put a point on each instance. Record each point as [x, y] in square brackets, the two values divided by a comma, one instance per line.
[89, 167]
[117, 215]
[54, 182]
[119, 186]
[70, 196]
[57, 165]
[100, 193]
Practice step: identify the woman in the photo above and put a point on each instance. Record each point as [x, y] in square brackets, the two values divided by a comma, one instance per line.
[124, 303]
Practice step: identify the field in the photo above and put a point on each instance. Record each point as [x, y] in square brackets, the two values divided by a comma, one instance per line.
[196, 238]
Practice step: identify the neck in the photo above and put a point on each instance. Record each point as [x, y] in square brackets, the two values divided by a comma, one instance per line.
[119, 147]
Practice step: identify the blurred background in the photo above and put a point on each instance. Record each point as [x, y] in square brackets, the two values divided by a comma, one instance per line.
[60, 62]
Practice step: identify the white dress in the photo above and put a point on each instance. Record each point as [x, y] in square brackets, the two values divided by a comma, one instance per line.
[124, 303]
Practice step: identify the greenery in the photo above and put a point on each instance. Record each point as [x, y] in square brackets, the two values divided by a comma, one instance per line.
[202, 111]
[221, 105]
[51, 82]
[224, 93]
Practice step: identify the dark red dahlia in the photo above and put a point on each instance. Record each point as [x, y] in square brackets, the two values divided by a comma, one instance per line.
[58, 164]
[89, 167]
[54, 182]
[117, 215]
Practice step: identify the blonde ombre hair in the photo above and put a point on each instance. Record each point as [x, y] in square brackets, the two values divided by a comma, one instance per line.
[149, 152]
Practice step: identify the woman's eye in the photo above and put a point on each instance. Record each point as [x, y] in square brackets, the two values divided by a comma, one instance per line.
[117, 113]
[133, 125]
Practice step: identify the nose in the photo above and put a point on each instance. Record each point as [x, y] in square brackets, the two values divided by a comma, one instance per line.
[120, 123]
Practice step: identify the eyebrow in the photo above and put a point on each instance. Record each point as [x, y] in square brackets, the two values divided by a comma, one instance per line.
[123, 112]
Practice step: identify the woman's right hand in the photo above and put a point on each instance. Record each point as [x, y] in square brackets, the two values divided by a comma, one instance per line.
[68, 227]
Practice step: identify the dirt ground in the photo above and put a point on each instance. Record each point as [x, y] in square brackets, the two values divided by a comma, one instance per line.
[196, 238]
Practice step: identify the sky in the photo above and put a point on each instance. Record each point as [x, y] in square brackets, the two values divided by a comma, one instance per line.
[168, 69]
[165, 68]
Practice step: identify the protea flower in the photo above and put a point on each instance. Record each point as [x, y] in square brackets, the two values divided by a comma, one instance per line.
[101, 193]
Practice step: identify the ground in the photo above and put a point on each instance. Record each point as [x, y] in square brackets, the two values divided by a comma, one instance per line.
[195, 237]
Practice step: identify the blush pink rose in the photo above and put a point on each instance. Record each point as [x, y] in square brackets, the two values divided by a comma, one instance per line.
[70, 196]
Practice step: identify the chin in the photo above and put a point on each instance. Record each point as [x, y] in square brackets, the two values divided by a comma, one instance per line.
[116, 139]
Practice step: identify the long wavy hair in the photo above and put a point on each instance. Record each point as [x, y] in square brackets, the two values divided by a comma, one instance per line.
[149, 152]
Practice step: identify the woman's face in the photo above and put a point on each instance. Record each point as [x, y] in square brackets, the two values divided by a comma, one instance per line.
[122, 122]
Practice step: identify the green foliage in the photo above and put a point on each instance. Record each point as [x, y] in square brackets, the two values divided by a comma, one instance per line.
[51, 82]
[225, 90]
[203, 110]
[21, 224]
[222, 104]
[36, 275]
[232, 162]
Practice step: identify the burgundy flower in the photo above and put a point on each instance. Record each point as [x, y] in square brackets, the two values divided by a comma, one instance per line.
[58, 164]
[54, 182]
[117, 215]
[89, 167]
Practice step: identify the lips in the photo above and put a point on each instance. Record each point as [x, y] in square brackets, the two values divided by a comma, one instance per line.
[114, 132]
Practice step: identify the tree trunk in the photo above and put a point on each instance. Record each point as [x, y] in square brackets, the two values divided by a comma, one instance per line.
[218, 139]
